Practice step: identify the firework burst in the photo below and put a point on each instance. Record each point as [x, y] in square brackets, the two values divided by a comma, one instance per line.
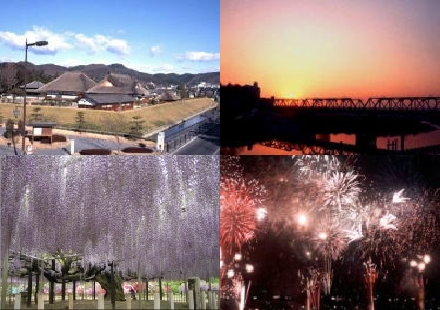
[238, 206]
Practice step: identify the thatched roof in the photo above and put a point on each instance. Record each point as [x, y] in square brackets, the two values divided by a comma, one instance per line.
[167, 96]
[33, 85]
[118, 84]
[141, 91]
[73, 82]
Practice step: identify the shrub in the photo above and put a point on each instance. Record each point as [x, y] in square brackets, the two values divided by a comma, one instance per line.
[95, 152]
[58, 138]
[137, 150]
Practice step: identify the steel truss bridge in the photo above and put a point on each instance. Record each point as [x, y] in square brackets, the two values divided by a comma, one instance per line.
[372, 104]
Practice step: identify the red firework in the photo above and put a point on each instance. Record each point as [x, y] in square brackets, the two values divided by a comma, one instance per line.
[237, 214]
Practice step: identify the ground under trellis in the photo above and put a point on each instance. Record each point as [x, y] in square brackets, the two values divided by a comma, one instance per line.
[93, 304]
[155, 215]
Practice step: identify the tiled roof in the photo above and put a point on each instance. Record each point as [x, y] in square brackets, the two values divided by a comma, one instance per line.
[109, 98]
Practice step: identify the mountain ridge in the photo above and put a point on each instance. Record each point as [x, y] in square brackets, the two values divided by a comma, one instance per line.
[97, 72]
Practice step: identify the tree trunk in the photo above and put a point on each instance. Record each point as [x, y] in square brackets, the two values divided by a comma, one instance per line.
[63, 290]
[105, 280]
[37, 288]
[52, 286]
[4, 277]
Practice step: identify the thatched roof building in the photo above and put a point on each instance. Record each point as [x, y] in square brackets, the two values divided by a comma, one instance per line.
[114, 102]
[71, 83]
[32, 88]
[167, 96]
[118, 84]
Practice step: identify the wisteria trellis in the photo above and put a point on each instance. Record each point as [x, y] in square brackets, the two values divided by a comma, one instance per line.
[159, 212]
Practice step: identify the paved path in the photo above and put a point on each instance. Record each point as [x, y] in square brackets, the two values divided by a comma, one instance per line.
[205, 144]
[81, 143]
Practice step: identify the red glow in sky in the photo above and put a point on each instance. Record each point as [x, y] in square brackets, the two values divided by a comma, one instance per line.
[332, 48]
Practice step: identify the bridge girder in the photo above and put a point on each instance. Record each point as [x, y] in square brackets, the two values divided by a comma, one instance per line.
[386, 103]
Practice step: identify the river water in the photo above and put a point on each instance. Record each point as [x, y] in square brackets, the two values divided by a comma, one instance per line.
[411, 141]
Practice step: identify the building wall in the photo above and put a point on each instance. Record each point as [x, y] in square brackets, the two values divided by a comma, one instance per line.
[114, 107]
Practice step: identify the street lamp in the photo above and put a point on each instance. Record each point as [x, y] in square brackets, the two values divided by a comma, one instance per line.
[238, 271]
[16, 112]
[38, 43]
[370, 277]
[419, 267]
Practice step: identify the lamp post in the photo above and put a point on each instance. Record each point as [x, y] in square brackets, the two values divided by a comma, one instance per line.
[239, 269]
[419, 269]
[38, 43]
[370, 277]
[16, 113]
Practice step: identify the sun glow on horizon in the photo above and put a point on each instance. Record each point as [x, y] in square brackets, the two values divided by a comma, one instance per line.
[312, 50]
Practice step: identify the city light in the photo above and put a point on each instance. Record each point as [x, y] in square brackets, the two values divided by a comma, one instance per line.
[237, 257]
[261, 214]
[427, 259]
[323, 236]
[249, 268]
[302, 219]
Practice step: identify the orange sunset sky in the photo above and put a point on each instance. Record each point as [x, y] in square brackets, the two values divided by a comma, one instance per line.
[332, 48]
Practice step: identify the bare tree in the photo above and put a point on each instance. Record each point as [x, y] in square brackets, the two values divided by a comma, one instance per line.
[9, 76]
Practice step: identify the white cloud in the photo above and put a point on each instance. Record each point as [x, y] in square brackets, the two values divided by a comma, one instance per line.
[99, 43]
[117, 46]
[158, 68]
[199, 56]
[72, 62]
[63, 41]
[162, 68]
[57, 42]
[155, 50]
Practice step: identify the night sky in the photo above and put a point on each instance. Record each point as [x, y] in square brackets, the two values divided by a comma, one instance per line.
[282, 250]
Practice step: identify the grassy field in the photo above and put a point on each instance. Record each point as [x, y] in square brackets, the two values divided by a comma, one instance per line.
[154, 116]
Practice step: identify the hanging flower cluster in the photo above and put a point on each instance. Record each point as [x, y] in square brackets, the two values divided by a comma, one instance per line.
[157, 212]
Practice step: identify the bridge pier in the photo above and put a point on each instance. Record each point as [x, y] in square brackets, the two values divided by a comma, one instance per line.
[366, 142]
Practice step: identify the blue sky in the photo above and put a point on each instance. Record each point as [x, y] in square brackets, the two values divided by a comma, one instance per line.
[150, 36]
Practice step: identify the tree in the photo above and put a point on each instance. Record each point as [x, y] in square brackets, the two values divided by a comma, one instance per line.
[9, 73]
[115, 124]
[9, 129]
[152, 214]
[137, 127]
[80, 119]
[36, 115]
[182, 91]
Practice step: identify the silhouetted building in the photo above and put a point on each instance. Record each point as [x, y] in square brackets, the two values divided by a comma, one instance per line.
[238, 100]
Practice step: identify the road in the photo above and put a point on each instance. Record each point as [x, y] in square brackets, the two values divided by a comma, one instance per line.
[81, 143]
[205, 144]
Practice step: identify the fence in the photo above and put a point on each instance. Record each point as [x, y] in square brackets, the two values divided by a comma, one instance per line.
[178, 297]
